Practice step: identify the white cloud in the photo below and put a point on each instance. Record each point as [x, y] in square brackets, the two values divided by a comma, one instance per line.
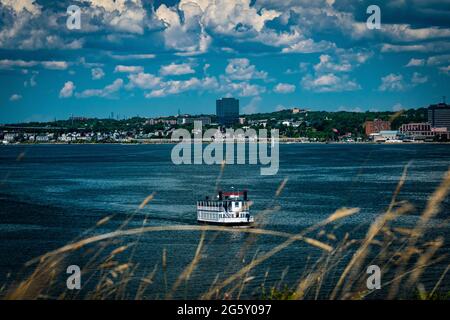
[176, 69]
[392, 82]
[106, 92]
[309, 46]
[415, 63]
[438, 60]
[178, 86]
[419, 78]
[19, 6]
[242, 89]
[52, 65]
[397, 107]
[143, 56]
[241, 69]
[97, 73]
[67, 90]
[15, 97]
[252, 106]
[121, 15]
[326, 65]
[189, 24]
[436, 46]
[187, 35]
[128, 69]
[32, 82]
[445, 70]
[329, 83]
[143, 81]
[284, 88]
[350, 109]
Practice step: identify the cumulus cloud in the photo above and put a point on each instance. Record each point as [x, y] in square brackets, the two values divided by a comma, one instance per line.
[241, 69]
[284, 88]
[418, 78]
[416, 63]
[55, 65]
[438, 60]
[189, 25]
[15, 97]
[142, 56]
[52, 65]
[19, 6]
[106, 92]
[397, 107]
[143, 80]
[97, 73]
[176, 69]
[445, 70]
[172, 87]
[67, 90]
[128, 69]
[252, 106]
[392, 82]
[326, 65]
[329, 83]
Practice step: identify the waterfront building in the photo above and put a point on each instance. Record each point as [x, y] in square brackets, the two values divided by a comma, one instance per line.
[421, 131]
[190, 120]
[389, 134]
[376, 126]
[416, 130]
[439, 115]
[227, 111]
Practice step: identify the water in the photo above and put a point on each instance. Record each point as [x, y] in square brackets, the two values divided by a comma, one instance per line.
[50, 194]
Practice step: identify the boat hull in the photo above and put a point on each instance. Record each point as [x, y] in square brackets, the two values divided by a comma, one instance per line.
[227, 224]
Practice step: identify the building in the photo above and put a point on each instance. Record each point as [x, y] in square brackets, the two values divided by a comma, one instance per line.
[242, 120]
[153, 121]
[376, 126]
[389, 134]
[298, 110]
[421, 131]
[439, 115]
[227, 111]
[190, 120]
[416, 130]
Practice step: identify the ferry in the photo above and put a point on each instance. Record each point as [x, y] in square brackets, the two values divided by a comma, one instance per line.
[227, 209]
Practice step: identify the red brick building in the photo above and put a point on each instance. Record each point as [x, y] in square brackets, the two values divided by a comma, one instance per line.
[376, 126]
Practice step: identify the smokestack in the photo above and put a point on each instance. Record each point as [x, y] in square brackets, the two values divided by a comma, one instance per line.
[245, 195]
[220, 195]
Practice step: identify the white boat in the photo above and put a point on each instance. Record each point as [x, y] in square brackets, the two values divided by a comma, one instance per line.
[228, 209]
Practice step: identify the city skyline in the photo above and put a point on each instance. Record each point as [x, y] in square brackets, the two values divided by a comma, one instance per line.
[153, 58]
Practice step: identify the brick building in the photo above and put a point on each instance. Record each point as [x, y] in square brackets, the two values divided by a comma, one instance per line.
[376, 126]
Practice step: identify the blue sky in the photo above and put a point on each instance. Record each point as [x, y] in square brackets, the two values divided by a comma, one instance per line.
[151, 58]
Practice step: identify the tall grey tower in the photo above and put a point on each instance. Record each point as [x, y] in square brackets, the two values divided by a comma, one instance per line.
[227, 111]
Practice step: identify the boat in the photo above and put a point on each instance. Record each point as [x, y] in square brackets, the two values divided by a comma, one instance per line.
[227, 209]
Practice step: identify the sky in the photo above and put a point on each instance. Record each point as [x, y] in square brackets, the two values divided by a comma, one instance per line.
[154, 58]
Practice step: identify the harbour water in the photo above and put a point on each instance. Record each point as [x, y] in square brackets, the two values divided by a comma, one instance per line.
[50, 194]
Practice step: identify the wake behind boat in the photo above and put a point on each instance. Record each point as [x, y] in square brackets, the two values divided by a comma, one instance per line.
[227, 209]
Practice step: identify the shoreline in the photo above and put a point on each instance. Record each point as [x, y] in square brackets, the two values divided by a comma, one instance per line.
[208, 142]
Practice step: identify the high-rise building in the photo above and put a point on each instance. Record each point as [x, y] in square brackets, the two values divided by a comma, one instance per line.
[376, 126]
[439, 115]
[227, 111]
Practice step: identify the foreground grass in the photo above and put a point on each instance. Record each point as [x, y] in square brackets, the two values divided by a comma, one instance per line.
[403, 254]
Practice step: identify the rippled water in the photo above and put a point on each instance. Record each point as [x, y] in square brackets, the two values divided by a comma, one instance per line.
[55, 192]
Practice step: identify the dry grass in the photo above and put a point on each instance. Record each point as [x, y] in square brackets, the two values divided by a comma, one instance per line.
[402, 253]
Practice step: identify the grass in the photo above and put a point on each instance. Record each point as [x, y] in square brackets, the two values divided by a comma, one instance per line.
[404, 254]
